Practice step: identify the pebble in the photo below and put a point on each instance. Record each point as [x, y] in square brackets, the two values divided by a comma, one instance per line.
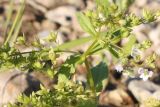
[141, 3]
[48, 25]
[14, 83]
[116, 98]
[64, 15]
[141, 32]
[77, 3]
[142, 90]
[48, 3]
[154, 36]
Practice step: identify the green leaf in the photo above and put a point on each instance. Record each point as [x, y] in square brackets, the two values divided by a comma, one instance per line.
[68, 68]
[100, 74]
[74, 43]
[86, 24]
[128, 46]
[113, 51]
[87, 103]
[20, 40]
[51, 37]
[122, 32]
[104, 3]
[148, 16]
[52, 55]
[124, 4]
[37, 65]
[62, 78]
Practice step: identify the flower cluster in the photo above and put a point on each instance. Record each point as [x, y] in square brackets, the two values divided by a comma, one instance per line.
[144, 73]
[136, 52]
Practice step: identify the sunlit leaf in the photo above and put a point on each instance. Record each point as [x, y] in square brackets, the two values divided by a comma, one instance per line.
[68, 68]
[86, 24]
[128, 46]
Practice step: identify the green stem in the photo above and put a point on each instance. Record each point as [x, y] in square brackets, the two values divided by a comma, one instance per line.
[57, 51]
[90, 78]
[16, 22]
[116, 46]
[97, 48]
[85, 55]
[9, 15]
[90, 48]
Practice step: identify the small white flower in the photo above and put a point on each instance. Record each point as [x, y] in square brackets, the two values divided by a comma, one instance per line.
[140, 70]
[135, 52]
[119, 68]
[144, 73]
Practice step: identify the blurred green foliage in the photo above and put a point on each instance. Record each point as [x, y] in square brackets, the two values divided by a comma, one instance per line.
[107, 26]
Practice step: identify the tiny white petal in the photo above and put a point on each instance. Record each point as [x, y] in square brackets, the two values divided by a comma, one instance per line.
[135, 52]
[145, 78]
[150, 73]
[119, 67]
[141, 76]
[144, 73]
[140, 70]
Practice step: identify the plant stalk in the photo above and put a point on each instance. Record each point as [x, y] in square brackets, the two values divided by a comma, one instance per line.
[90, 78]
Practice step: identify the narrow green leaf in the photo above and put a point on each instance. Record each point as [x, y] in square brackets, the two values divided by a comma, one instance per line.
[104, 3]
[86, 24]
[128, 46]
[16, 25]
[9, 15]
[16, 32]
[74, 43]
[113, 51]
